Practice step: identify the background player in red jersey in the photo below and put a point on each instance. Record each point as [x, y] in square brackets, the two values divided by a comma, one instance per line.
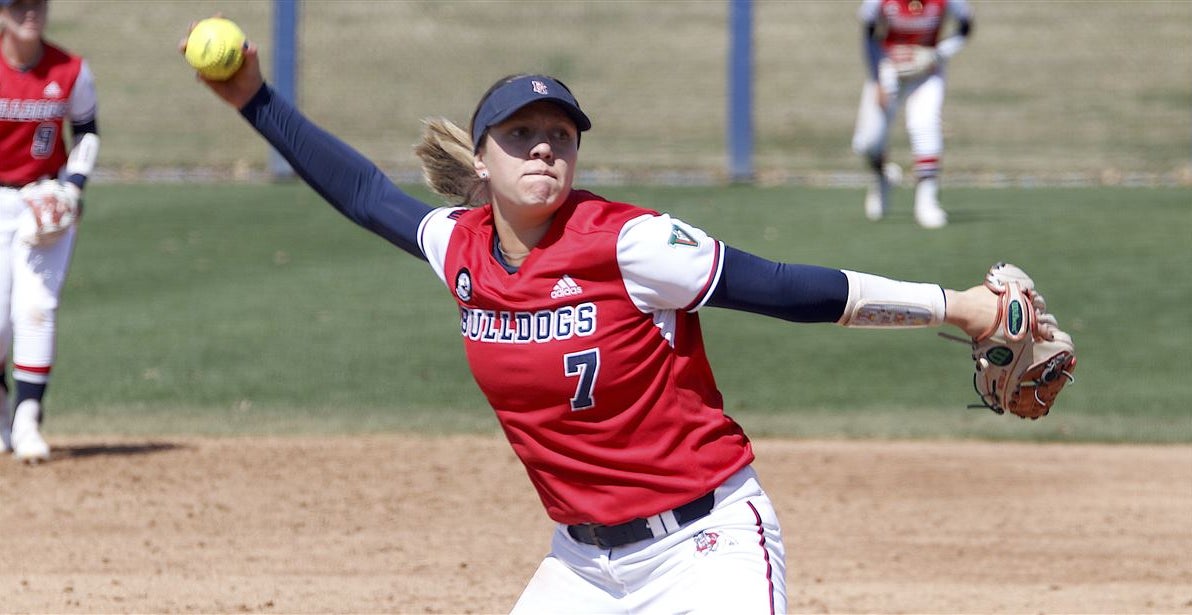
[579, 318]
[905, 64]
[43, 91]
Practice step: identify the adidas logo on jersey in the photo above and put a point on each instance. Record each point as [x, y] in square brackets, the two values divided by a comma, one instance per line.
[565, 287]
[53, 90]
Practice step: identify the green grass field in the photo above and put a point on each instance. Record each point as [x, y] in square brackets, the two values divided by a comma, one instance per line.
[254, 309]
[224, 309]
[1092, 88]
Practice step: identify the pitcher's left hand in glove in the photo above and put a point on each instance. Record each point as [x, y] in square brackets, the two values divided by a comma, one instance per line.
[1023, 362]
[55, 207]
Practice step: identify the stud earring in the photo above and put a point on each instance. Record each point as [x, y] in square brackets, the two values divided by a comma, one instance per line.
[484, 175]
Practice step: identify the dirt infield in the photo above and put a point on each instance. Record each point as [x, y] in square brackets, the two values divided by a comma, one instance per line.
[451, 525]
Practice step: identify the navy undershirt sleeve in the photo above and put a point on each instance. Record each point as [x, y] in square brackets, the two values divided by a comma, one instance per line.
[872, 49]
[346, 179]
[81, 128]
[798, 293]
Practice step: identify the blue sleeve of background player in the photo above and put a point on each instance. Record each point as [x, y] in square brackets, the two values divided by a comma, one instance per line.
[872, 49]
[346, 179]
[869, 13]
[799, 293]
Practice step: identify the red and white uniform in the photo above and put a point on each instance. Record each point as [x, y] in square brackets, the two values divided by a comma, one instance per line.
[592, 357]
[908, 22]
[629, 423]
[36, 106]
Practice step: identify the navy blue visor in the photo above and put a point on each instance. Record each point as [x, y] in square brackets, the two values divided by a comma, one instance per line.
[517, 93]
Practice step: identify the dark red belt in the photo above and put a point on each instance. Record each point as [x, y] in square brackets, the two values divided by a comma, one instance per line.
[609, 536]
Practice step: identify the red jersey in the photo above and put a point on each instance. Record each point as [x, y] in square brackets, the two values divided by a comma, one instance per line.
[34, 106]
[911, 22]
[592, 357]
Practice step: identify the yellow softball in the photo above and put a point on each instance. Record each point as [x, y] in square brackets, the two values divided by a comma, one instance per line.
[215, 48]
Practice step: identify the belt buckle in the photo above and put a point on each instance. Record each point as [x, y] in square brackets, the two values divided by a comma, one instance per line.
[654, 526]
[599, 541]
[586, 533]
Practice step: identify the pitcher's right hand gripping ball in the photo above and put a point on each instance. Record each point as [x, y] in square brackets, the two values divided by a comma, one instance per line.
[215, 48]
[1023, 362]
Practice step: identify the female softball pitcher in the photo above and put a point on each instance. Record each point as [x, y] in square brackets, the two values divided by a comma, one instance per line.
[42, 88]
[579, 319]
[905, 61]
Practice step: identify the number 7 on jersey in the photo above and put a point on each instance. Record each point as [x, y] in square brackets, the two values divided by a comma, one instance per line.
[586, 365]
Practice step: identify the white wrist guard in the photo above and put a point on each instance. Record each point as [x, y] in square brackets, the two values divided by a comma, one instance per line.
[950, 47]
[877, 302]
[83, 156]
[887, 76]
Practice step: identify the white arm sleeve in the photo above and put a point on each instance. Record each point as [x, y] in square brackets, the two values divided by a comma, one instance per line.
[869, 11]
[83, 155]
[667, 264]
[950, 46]
[959, 10]
[877, 302]
[84, 103]
[433, 234]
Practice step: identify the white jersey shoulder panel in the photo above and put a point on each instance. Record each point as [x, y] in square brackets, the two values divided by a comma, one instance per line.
[667, 264]
[434, 232]
[84, 102]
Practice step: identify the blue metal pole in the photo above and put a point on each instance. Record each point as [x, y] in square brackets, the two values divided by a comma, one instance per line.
[740, 91]
[285, 70]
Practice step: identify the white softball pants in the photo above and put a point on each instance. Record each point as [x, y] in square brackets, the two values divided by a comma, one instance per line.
[731, 561]
[923, 100]
[31, 281]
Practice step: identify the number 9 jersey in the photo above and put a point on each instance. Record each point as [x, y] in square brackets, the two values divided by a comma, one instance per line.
[591, 354]
[34, 106]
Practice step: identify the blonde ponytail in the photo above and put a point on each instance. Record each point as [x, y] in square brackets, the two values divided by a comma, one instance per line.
[447, 163]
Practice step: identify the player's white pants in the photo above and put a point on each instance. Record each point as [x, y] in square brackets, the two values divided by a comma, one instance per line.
[924, 103]
[731, 561]
[31, 281]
